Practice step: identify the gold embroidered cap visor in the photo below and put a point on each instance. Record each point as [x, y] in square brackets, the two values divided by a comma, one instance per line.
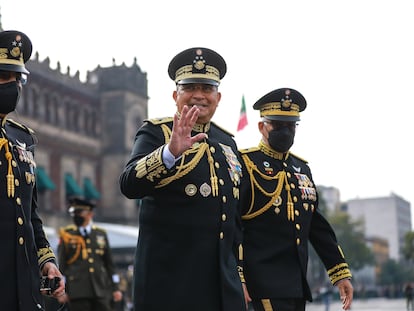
[284, 104]
[197, 65]
[15, 51]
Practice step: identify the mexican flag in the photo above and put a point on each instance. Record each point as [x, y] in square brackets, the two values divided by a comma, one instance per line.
[243, 116]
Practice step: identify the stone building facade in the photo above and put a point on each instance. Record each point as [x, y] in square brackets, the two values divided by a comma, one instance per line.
[85, 132]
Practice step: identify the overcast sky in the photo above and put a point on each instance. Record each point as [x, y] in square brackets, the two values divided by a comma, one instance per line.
[352, 60]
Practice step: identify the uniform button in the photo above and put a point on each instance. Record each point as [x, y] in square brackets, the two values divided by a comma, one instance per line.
[91, 270]
[297, 212]
[217, 165]
[212, 149]
[224, 199]
[88, 241]
[297, 241]
[89, 250]
[20, 221]
[14, 163]
[221, 181]
[21, 240]
[221, 235]
[295, 198]
[223, 217]
[90, 260]
[292, 185]
[18, 201]
[297, 226]
[284, 164]
[16, 182]
[288, 174]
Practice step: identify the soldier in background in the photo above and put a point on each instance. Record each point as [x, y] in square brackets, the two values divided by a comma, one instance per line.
[85, 260]
[280, 214]
[26, 252]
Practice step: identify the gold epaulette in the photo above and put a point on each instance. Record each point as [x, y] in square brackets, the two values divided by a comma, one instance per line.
[159, 120]
[70, 227]
[98, 228]
[222, 129]
[21, 126]
[248, 150]
[297, 157]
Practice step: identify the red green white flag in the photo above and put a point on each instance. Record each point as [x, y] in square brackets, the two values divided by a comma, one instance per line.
[243, 116]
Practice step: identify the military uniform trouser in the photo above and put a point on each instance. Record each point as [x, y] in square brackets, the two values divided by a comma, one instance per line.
[89, 304]
[293, 304]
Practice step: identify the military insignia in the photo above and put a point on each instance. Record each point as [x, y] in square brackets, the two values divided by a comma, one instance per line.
[297, 169]
[100, 240]
[205, 190]
[190, 190]
[234, 170]
[30, 178]
[308, 191]
[24, 154]
[278, 201]
[267, 168]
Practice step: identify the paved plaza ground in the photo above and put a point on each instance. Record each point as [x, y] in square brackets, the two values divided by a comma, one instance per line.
[373, 304]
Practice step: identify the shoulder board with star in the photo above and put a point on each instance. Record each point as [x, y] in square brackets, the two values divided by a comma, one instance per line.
[20, 126]
[222, 129]
[159, 120]
[249, 150]
[297, 157]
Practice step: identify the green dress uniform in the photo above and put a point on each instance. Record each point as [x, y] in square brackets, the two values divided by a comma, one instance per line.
[280, 217]
[25, 246]
[189, 224]
[86, 262]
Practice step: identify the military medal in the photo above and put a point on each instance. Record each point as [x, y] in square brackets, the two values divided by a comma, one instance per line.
[234, 170]
[205, 190]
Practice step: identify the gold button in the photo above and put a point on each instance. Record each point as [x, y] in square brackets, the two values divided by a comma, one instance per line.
[295, 198]
[16, 182]
[221, 181]
[89, 250]
[20, 221]
[297, 241]
[91, 270]
[212, 149]
[217, 165]
[224, 199]
[288, 174]
[284, 164]
[88, 241]
[21, 240]
[18, 201]
[297, 213]
[292, 185]
[298, 226]
[90, 260]
[221, 235]
[14, 163]
[223, 217]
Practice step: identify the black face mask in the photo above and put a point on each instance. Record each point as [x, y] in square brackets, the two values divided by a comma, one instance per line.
[78, 220]
[281, 139]
[9, 97]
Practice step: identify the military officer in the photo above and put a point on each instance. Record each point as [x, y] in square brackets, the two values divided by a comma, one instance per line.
[85, 260]
[26, 251]
[187, 172]
[280, 214]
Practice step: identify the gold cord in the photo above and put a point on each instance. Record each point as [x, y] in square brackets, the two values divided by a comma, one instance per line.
[10, 177]
[80, 245]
